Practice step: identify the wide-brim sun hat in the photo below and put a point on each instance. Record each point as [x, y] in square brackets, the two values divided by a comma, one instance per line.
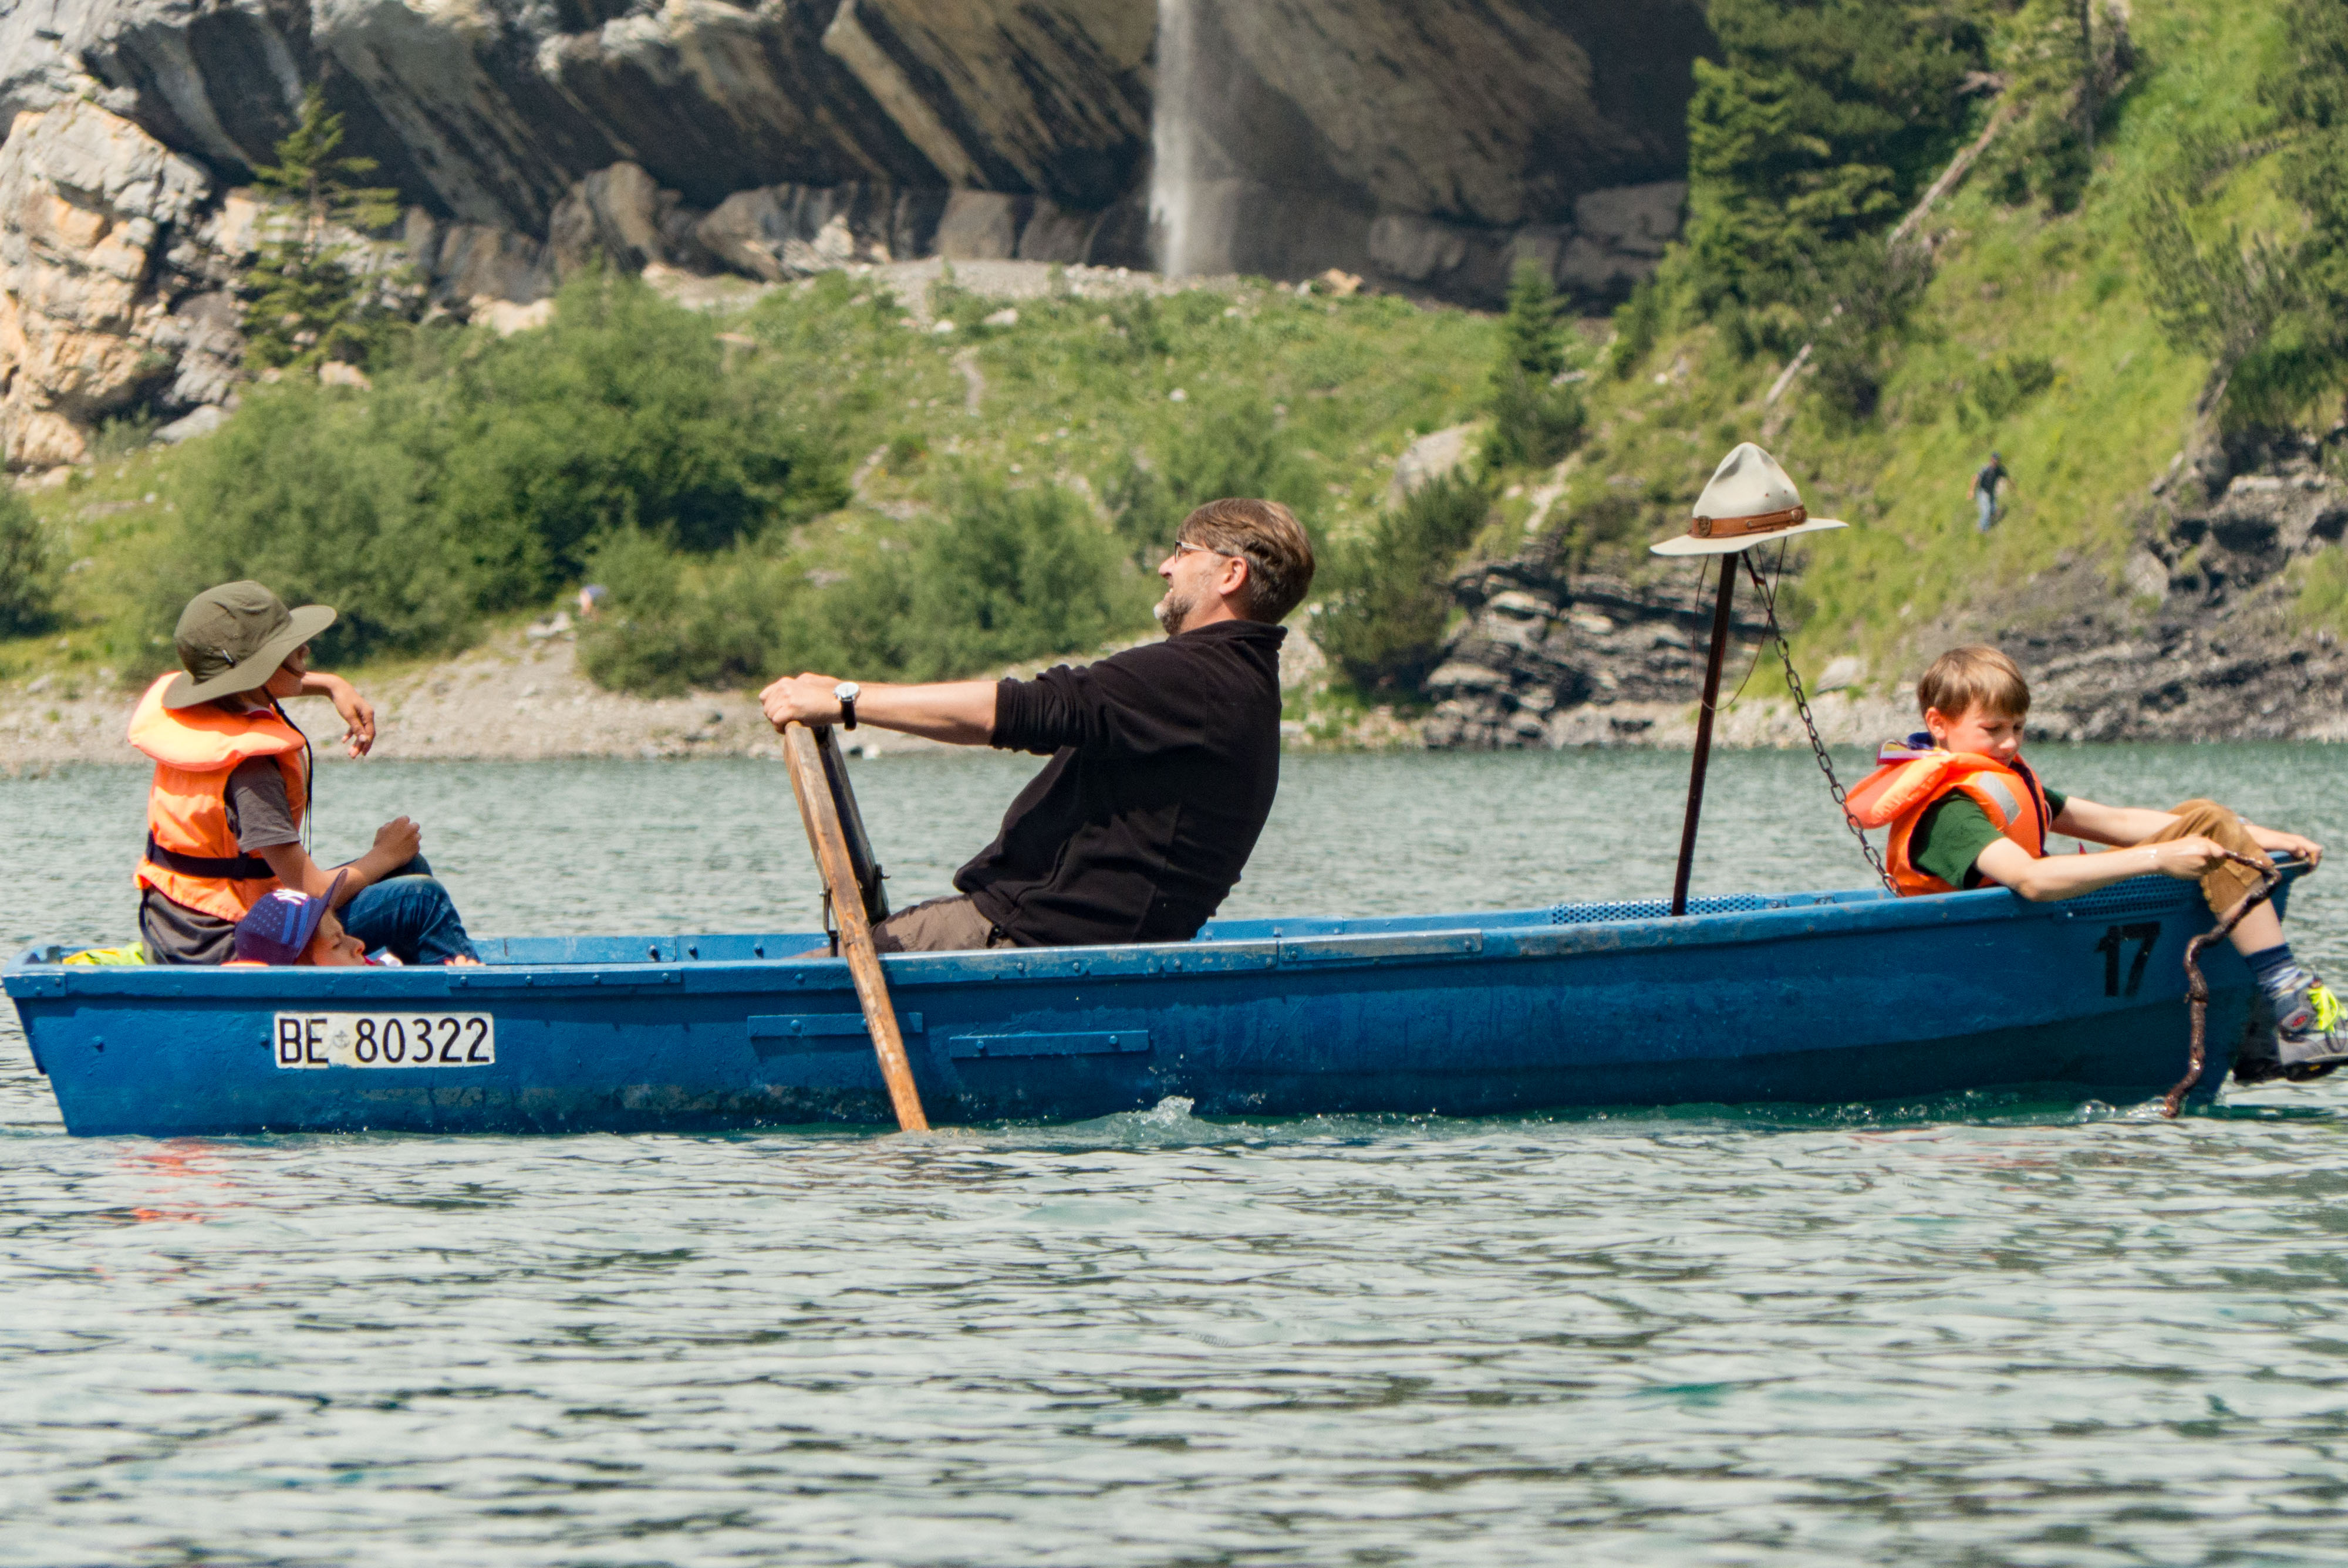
[1749, 501]
[233, 638]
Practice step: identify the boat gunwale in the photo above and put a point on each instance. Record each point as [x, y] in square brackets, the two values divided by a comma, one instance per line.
[1500, 936]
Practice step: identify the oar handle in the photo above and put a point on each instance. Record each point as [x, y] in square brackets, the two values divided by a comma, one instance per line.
[820, 812]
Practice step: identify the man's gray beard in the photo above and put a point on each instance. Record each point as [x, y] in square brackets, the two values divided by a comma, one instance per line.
[1173, 611]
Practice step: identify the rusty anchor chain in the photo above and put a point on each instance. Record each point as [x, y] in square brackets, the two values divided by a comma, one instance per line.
[1802, 706]
[2197, 987]
[2197, 990]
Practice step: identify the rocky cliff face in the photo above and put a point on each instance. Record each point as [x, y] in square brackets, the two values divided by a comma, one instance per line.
[1550, 657]
[1423, 144]
[108, 284]
[2195, 641]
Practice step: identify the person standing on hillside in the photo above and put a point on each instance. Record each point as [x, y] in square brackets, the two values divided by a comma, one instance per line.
[1983, 493]
[1164, 758]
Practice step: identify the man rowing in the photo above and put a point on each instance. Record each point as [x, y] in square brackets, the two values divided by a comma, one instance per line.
[1164, 758]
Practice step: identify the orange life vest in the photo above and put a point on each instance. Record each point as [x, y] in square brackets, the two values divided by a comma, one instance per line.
[1909, 780]
[192, 858]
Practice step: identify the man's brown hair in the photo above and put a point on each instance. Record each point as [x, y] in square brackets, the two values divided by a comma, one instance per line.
[1267, 536]
[1974, 674]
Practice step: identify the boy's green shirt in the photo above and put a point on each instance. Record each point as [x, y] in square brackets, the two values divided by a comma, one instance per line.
[1951, 835]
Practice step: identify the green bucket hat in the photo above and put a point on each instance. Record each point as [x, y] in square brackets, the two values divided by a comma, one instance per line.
[233, 638]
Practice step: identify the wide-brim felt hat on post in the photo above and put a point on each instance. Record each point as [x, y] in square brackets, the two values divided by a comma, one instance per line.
[1750, 501]
[233, 638]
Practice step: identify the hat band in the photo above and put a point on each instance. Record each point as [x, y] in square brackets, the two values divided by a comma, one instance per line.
[1732, 528]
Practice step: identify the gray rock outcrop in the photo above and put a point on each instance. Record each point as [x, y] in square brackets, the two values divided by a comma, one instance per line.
[1552, 658]
[1423, 146]
[2192, 635]
[89, 205]
[1430, 144]
[2201, 639]
[1490, 113]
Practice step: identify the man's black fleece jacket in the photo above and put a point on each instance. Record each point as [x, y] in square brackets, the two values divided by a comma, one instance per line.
[1164, 762]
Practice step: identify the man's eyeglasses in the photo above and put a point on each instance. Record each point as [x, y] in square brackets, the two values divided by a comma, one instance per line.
[1181, 545]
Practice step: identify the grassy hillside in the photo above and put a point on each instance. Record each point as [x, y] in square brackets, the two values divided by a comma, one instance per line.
[481, 477]
[2034, 337]
[822, 478]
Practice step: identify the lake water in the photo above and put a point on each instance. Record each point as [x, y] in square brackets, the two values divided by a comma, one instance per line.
[1702, 1336]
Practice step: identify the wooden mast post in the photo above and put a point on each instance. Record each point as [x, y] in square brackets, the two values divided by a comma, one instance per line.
[820, 812]
[1703, 760]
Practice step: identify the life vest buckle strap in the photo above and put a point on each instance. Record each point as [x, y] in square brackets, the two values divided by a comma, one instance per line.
[233, 868]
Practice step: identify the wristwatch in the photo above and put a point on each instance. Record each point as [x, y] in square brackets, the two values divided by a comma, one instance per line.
[845, 694]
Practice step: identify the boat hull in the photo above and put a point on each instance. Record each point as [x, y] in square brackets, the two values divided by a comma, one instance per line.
[1825, 999]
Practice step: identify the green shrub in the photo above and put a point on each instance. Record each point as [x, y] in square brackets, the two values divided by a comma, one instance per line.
[1008, 574]
[1535, 420]
[1861, 302]
[2270, 311]
[122, 435]
[619, 414]
[1638, 321]
[318, 494]
[1236, 447]
[1534, 424]
[480, 472]
[2063, 81]
[2005, 383]
[670, 621]
[27, 582]
[1005, 575]
[1387, 596]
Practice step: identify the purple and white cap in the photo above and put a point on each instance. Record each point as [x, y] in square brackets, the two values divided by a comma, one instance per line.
[278, 929]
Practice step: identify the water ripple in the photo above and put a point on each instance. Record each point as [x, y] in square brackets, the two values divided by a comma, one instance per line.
[1976, 1330]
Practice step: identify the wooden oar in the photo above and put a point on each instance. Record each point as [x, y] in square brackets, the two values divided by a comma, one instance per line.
[820, 812]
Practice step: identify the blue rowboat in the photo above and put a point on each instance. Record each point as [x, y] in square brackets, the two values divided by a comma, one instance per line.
[1820, 999]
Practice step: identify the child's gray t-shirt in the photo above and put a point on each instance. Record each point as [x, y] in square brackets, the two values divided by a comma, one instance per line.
[263, 818]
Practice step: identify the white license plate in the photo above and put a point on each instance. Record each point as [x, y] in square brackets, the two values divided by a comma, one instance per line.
[385, 1039]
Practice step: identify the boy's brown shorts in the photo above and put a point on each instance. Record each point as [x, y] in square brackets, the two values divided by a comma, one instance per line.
[2225, 885]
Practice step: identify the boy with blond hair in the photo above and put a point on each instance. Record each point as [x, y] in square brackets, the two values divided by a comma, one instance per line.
[1964, 809]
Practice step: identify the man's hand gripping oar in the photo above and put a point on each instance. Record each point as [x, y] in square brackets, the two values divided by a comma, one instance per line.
[820, 812]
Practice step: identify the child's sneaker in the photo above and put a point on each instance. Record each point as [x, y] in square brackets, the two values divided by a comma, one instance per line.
[2311, 1031]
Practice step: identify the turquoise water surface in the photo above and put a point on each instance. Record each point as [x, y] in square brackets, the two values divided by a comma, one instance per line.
[1974, 1333]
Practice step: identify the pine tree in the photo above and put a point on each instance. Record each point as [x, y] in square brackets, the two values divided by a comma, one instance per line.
[1531, 327]
[1535, 419]
[1819, 124]
[2062, 66]
[308, 306]
[2268, 309]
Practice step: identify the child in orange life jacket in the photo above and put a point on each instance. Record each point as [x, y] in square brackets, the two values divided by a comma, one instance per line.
[1963, 809]
[232, 787]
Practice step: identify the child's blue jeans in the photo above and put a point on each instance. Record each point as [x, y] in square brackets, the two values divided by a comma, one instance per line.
[411, 913]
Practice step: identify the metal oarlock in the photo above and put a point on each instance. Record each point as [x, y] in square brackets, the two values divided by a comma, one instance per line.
[2197, 990]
